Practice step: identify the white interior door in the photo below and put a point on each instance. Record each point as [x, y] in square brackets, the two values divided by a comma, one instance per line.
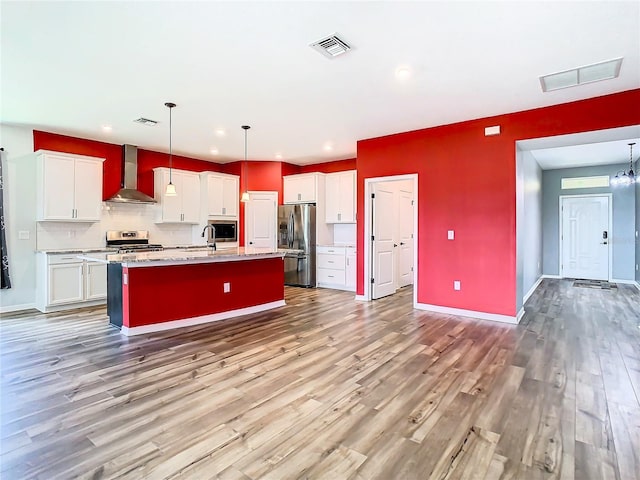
[383, 246]
[585, 237]
[405, 231]
[260, 219]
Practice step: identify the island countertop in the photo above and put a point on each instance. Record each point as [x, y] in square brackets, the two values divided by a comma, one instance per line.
[184, 256]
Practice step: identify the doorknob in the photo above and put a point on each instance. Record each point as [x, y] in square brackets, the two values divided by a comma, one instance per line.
[401, 243]
[395, 245]
[250, 243]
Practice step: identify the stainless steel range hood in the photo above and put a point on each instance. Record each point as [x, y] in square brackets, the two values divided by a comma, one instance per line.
[129, 192]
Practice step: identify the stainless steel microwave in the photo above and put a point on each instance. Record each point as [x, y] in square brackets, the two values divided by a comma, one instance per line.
[226, 230]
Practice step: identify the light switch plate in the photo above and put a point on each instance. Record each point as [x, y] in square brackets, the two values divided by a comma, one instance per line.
[23, 235]
[450, 235]
[227, 287]
[456, 284]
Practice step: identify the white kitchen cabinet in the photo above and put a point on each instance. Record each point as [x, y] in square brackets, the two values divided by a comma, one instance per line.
[350, 269]
[185, 206]
[69, 187]
[340, 194]
[332, 267]
[302, 188]
[64, 281]
[219, 194]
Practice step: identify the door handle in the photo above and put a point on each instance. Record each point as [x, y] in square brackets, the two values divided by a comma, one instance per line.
[401, 243]
[395, 245]
[605, 235]
[250, 243]
[603, 243]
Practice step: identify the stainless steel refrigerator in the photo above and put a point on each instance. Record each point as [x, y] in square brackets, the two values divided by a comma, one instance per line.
[297, 233]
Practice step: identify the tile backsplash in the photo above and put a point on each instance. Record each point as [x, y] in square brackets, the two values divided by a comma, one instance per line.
[57, 235]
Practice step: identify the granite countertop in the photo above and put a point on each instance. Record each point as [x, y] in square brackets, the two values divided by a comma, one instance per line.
[184, 256]
[78, 250]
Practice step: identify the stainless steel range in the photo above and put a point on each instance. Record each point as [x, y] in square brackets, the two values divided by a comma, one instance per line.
[131, 241]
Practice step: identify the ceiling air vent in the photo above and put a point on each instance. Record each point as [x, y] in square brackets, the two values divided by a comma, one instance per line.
[581, 75]
[331, 46]
[146, 121]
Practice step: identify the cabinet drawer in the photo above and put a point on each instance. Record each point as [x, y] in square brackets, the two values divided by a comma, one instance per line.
[327, 260]
[332, 250]
[328, 275]
[66, 258]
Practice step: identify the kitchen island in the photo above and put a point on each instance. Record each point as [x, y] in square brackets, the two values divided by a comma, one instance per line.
[154, 291]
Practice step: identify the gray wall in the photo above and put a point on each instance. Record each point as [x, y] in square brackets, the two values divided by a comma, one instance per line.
[624, 218]
[532, 223]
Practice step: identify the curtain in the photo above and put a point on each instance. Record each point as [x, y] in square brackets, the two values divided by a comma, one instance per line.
[4, 274]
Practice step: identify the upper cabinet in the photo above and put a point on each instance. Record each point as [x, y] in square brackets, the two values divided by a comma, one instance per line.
[185, 206]
[340, 197]
[302, 188]
[69, 187]
[219, 194]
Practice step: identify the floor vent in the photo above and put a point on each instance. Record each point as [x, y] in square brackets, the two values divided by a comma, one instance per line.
[602, 284]
[331, 46]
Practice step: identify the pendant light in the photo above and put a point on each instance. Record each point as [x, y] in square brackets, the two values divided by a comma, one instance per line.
[626, 178]
[170, 191]
[245, 194]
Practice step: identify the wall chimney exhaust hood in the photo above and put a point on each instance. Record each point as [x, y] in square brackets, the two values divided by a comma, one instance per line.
[129, 192]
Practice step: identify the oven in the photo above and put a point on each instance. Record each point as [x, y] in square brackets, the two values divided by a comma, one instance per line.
[226, 231]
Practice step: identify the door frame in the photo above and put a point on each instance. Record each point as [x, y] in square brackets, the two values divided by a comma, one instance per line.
[273, 194]
[561, 199]
[368, 228]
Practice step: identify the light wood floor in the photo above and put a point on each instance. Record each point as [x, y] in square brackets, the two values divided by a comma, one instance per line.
[329, 388]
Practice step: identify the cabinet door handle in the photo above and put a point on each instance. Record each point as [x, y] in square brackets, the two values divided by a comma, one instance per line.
[224, 210]
[339, 216]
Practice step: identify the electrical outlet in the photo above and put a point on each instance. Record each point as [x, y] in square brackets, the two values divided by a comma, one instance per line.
[456, 284]
[23, 235]
[227, 287]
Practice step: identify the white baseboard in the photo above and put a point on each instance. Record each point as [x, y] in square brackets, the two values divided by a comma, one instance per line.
[638, 285]
[361, 298]
[531, 290]
[17, 308]
[520, 315]
[189, 322]
[550, 276]
[471, 313]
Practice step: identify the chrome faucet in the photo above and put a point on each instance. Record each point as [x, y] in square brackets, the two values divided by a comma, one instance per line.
[212, 242]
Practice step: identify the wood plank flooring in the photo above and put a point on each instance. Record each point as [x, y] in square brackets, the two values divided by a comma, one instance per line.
[329, 388]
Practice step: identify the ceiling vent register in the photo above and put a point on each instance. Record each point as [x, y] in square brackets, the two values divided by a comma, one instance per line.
[146, 121]
[595, 72]
[331, 46]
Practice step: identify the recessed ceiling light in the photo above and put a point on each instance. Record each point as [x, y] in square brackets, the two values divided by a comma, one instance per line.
[279, 156]
[327, 147]
[403, 72]
[581, 75]
[214, 151]
[220, 132]
[107, 128]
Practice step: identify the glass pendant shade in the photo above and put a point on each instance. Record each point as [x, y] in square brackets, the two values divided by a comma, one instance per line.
[170, 191]
[245, 197]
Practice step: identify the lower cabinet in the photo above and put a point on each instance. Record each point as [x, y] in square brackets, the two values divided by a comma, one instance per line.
[65, 281]
[336, 267]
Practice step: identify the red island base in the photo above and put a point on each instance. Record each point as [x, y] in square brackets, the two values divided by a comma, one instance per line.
[143, 299]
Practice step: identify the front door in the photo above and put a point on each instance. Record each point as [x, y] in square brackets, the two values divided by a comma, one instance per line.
[585, 237]
[383, 246]
[261, 213]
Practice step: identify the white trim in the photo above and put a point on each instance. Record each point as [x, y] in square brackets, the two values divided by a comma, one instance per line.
[531, 290]
[610, 222]
[18, 308]
[368, 182]
[495, 317]
[551, 276]
[637, 285]
[188, 322]
[626, 282]
[361, 298]
[520, 315]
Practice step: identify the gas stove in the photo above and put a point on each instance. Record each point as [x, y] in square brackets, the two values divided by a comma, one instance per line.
[131, 241]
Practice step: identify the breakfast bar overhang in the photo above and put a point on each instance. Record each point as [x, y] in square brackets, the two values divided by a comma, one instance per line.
[155, 291]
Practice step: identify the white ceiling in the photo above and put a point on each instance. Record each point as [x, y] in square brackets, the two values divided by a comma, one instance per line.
[71, 67]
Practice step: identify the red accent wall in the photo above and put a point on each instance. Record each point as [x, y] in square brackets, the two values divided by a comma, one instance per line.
[466, 182]
[162, 294]
[112, 166]
[112, 154]
[329, 167]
